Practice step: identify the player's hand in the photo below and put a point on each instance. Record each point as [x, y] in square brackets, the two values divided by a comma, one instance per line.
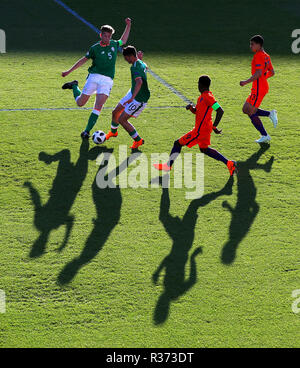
[189, 106]
[217, 131]
[128, 21]
[140, 55]
[243, 83]
[128, 101]
[64, 74]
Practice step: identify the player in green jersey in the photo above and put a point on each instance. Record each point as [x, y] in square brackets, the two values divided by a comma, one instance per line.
[101, 73]
[136, 99]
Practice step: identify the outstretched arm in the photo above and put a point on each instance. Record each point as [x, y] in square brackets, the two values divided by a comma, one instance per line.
[77, 65]
[125, 35]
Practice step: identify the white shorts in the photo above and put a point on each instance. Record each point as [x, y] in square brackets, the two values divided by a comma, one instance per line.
[134, 108]
[97, 83]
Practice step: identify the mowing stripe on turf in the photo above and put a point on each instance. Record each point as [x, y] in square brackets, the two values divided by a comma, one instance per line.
[80, 108]
[156, 76]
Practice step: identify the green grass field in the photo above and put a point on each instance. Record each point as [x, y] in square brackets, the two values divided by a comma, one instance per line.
[232, 255]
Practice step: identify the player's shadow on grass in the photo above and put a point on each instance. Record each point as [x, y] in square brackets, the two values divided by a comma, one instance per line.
[182, 232]
[108, 202]
[65, 187]
[246, 209]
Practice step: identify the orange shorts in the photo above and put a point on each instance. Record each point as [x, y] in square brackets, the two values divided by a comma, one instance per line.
[192, 138]
[257, 95]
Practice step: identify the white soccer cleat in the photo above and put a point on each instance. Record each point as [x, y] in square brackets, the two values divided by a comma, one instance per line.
[263, 139]
[274, 118]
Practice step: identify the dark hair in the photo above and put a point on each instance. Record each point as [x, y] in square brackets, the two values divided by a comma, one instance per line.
[107, 28]
[258, 39]
[129, 50]
[204, 80]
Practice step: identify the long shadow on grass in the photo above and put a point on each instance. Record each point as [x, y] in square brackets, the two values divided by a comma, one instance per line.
[182, 232]
[108, 201]
[246, 209]
[65, 187]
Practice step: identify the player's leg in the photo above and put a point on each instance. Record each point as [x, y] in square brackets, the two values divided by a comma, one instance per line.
[175, 152]
[99, 102]
[115, 121]
[210, 152]
[130, 129]
[270, 114]
[251, 110]
[116, 114]
[80, 98]
[189, 139]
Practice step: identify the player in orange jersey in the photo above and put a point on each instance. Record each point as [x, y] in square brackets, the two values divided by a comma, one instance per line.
[262, 69]
[202, 130]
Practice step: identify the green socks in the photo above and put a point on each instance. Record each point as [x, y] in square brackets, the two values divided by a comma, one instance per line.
[92, 120]
[76, 91]
[134, 134]
[114, 127]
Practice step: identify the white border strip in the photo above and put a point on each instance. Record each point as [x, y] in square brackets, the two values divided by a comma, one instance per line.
[157, 77]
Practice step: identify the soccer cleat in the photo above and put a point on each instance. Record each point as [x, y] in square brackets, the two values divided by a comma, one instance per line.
[263, 139]
[111, 134]
[85, 135]
[163, 167]
[231, 167]
[69, 85]
[137, 144]
[274, 118]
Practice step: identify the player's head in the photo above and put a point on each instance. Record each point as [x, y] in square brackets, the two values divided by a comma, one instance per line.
[106, 33]
[204, 83]
[256, 43]
[130, 54]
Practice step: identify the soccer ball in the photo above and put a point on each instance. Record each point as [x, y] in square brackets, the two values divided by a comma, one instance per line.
[99, 137]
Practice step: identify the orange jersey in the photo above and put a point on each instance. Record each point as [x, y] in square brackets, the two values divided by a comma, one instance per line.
[203, 127]
[261, 61]
[203, 112]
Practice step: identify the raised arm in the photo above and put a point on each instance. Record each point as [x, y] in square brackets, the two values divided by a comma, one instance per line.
[77, 65]
[125, 35]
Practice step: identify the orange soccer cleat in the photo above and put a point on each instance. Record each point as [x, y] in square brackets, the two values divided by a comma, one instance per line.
[231, 167]
[137, 144]
[111, 134]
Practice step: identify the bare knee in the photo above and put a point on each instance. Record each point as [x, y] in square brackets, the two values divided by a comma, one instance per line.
[81, 102]
[245, 110]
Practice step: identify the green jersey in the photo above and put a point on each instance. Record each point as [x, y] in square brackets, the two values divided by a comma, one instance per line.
[139, 70]
[104, 58]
